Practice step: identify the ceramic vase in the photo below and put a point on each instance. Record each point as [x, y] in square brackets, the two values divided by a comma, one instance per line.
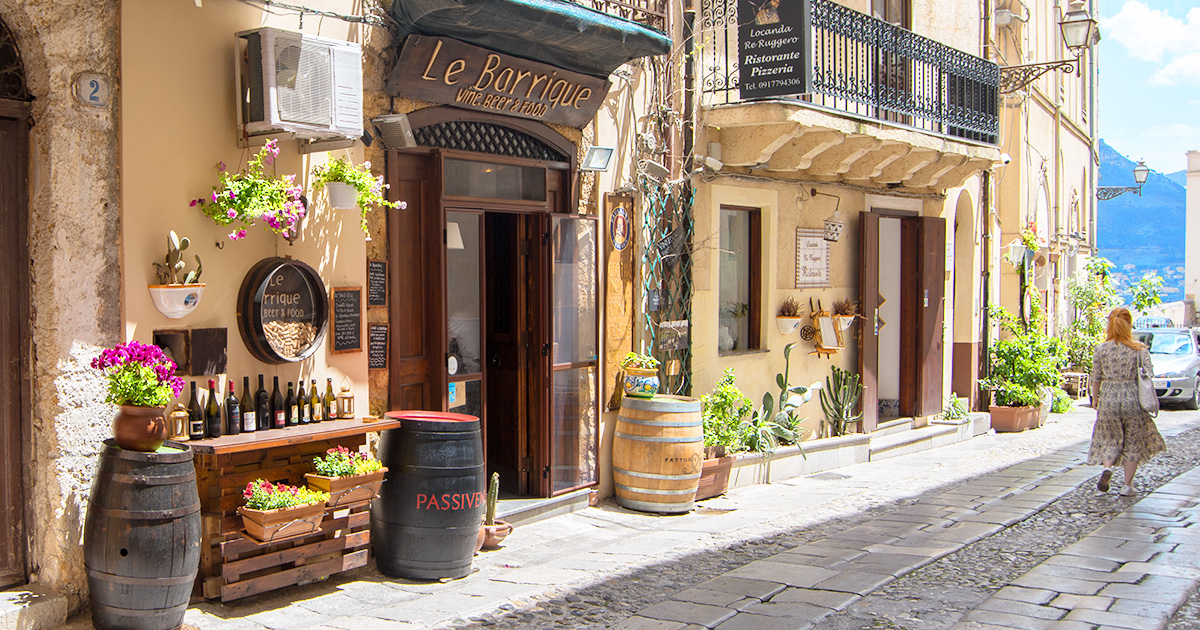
[139, 428]
[640, 383]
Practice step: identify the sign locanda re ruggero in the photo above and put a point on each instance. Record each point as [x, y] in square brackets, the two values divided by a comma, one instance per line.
[445, 70]
[774, 47]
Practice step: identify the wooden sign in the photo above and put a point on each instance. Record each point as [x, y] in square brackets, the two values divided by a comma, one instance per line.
[775, 50]
[444, 70]
[377, 345]
[346, 306]
[377, 283]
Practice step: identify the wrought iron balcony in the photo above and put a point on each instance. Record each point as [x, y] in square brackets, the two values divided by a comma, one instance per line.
[652, 13]
[837, 58]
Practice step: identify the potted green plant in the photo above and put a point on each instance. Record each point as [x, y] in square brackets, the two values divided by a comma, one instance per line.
[844, 313]
[839, 398]
[721, 414]
[767, 427]
[251, 195]
[1022, 365]
[641, 375]
[176, 293]
[351, 186]
[788, 317]
[141, 380]
[494, 530]
[347, 476]
[274, 511]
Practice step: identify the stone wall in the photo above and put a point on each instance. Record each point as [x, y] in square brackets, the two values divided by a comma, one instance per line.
[73, 244]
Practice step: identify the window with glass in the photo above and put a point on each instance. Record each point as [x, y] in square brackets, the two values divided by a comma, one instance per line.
[463, 365]
[494, 180]
[738, 305]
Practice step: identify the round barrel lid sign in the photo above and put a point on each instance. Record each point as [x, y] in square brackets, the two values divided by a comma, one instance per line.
[619, 228]
[285, 309]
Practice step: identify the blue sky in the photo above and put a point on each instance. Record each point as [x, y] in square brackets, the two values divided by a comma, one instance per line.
[1149, 61]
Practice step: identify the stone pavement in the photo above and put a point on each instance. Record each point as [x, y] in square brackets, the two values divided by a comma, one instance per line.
[728, 563]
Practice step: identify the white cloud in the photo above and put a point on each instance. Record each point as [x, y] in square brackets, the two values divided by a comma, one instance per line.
[1154, 35]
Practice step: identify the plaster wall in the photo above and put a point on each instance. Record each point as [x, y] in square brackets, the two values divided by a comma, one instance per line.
[74, 212]
[1191, 281]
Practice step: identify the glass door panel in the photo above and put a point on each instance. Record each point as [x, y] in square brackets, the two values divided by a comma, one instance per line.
[464, 274]
[574, 423]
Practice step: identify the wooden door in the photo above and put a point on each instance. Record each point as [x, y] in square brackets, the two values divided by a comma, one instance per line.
[868, 349]
[931, 314]
[14, 337]
[417, 375]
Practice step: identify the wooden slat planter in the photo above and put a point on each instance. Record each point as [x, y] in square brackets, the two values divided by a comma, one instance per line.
[226, 464]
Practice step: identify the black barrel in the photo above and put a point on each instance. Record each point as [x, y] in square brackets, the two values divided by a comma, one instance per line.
[141, 538]
[427, 518]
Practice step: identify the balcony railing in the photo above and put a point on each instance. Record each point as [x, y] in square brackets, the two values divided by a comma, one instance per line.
[652, 13]
[838, 58]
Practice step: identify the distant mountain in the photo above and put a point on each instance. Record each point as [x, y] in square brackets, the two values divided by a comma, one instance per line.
[1179, 177]
[1140, 234]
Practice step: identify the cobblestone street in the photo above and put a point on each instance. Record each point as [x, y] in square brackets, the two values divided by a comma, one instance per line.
[1002, 531]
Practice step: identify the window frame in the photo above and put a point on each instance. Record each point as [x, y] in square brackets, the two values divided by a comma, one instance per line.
[754, 337]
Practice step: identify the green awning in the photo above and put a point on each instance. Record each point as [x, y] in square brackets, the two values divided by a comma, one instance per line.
[560, 33]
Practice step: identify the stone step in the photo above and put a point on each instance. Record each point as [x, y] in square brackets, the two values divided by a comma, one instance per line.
[32, 607]
[892, 427]
[883, 447]
[524, 511]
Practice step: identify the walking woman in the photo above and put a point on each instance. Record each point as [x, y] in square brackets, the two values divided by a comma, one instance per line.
[1124, 432]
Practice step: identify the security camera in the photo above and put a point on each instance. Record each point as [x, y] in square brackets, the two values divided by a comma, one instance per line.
[1005, 159]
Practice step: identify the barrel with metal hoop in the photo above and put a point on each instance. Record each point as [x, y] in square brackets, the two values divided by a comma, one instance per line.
[141, 537]
[658, 450]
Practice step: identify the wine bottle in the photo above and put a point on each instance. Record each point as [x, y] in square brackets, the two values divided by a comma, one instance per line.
[314, 401]
[195, 417]
[330, 400]
[249, 410]
[291, 408]
[278, 411]
[233, 411]
[262, 405]
[302, 403]
[212, 412]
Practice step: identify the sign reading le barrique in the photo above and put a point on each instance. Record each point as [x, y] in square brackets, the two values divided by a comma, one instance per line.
[444, 70]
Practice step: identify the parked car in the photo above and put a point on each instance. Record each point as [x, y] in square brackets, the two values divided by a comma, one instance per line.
[1153, 321]
[1176, 356]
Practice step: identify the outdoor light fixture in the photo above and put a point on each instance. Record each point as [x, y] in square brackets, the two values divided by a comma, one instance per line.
[834, 224]
[395, 131]
[1140, 173]
[655, 170]
[1016, 252]
[597, 159]
[1079, 31]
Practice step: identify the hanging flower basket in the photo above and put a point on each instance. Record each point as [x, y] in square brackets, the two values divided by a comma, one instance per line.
[342, 196]
[252, 195]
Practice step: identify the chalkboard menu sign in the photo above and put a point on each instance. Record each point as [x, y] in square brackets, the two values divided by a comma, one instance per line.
[282, 310]
[377, 345]
[376, 283]
[346, 304]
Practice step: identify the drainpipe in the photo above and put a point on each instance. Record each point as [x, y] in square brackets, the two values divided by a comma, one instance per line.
[1092, 158]
[985, 367]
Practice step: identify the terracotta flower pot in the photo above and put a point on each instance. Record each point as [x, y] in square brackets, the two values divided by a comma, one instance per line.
[349, 489]
[272, 525]
[1013, 419]
[138, 428]
[493, 535]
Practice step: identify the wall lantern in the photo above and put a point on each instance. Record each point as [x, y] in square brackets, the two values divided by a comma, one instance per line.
[1079, 32]
[1140, 173]
[1078, 27]
[834, 224]
[1016, 252]
[597, 159]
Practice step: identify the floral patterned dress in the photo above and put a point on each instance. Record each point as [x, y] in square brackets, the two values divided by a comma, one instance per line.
[1123, 429]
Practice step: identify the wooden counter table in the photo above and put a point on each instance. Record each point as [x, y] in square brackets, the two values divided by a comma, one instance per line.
[232, 565]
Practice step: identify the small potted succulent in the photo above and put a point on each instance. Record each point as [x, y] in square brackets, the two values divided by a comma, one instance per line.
[788, 317]
[141, 380]
[844, 313]
[494, 530]
[347, 476]
[641, 375]
[274, 511]
[353, 186]
[251, 195]
[177, 293]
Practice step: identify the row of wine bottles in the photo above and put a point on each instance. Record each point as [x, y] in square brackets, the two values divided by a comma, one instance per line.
[260, 411]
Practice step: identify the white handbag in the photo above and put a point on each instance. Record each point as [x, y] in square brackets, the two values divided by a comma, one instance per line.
[1146, 394]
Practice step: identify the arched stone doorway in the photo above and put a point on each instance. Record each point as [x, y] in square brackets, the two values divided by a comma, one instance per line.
[14, 308]
[965, 302]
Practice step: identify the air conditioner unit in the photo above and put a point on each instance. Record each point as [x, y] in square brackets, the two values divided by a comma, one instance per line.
[292, 82]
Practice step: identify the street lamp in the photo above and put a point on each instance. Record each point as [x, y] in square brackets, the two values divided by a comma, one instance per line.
[1140, 173]
[1079, 31]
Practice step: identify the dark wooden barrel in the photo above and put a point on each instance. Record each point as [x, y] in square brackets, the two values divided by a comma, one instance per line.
[658, 453]
[427, 518]
[141, 538]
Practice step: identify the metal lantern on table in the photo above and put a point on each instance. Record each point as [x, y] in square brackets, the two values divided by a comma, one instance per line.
[345, 403]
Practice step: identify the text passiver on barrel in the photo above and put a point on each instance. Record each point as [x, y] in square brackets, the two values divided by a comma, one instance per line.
[377, 283]
[377, 345]
[346, 303]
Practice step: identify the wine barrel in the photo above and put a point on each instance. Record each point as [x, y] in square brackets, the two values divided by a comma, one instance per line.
[658, 453]
[141, 537]
[426, 521]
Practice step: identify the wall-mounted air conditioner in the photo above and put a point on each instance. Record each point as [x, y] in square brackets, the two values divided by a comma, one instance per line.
[292, 82]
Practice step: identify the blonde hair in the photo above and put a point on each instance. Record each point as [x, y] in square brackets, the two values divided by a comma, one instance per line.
[1120, 328]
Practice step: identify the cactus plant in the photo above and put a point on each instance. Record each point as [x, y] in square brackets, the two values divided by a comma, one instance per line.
[489, 517]
[838, 399]
[170, 270]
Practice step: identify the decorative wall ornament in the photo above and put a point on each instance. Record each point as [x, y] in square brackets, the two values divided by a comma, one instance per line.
[812, 259]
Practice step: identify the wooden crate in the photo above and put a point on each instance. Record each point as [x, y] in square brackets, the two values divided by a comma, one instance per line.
[226, 464]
